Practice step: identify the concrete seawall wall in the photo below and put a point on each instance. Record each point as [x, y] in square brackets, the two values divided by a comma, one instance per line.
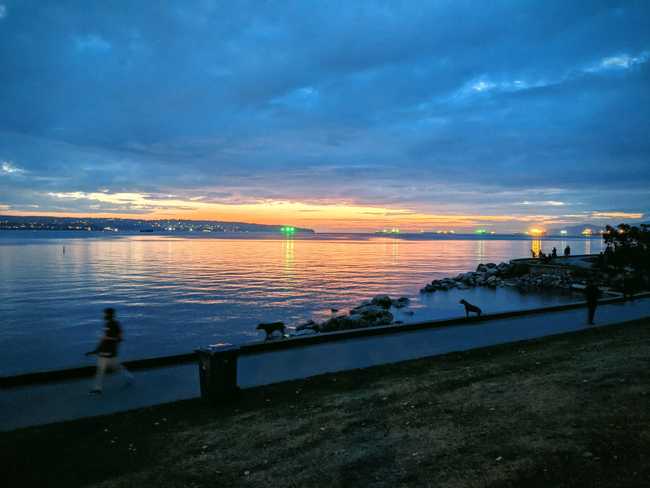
[267, 362]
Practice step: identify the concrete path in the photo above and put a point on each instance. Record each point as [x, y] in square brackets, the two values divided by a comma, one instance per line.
[41, 404]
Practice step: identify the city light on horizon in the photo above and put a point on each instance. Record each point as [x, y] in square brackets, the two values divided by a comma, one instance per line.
[322, 217]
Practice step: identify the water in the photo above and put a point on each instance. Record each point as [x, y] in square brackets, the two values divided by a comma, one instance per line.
[173, 294]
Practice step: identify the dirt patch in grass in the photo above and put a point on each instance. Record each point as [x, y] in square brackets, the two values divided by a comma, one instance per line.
[572, 410]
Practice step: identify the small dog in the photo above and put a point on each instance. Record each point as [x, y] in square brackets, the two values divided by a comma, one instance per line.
[270, 328]
[470, 308]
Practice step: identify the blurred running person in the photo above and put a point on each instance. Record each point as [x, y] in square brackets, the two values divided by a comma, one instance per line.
[106, 352]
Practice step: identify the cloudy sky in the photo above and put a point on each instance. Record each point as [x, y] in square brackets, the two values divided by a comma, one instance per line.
[334, 115]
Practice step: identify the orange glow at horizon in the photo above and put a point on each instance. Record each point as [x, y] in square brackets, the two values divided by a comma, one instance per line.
[343, 216]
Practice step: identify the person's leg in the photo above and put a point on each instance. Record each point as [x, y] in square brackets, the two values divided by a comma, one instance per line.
[102, 364]
[118, 366]
[592, 312]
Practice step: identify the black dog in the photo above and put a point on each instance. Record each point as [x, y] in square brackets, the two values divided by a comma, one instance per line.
[271, 328]
[470, 308]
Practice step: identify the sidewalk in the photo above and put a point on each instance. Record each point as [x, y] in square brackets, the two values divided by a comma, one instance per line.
[41, 404]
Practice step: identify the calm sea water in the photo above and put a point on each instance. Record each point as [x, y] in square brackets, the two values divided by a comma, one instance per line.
[173, 294]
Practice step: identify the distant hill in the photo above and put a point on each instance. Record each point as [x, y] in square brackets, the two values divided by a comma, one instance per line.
[11, 222]
[576, 230]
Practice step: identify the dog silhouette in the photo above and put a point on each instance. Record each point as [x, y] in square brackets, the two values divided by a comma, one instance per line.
[470, 308]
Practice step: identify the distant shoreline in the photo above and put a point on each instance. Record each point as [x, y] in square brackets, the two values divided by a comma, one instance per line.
[431, 236]
[147, 226]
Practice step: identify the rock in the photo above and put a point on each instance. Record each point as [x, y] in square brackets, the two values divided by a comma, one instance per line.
[519, 269]
[341, 323]
[306, 325]
[366, 316]
[481, 268]
[491, 265]
[367, 309]
[382, 300]
[376, 317]
[303, 332]
[401, 302]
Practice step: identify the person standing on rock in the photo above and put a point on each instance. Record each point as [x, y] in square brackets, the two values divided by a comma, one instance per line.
[591, 295]
[106, 351]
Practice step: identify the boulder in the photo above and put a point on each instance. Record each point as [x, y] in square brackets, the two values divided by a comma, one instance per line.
[365, 316]
[519, 269]
[303, 332]
[361, 309]
[382, 300]
[401, 302]
[341, 323]
[307, 325]
[372, 318]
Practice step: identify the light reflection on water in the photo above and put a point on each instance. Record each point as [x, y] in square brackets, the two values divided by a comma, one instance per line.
[174, 294]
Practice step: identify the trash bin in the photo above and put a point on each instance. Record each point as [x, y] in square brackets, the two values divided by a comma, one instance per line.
[218, 373]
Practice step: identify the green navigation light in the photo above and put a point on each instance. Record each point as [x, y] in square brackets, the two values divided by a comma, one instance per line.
[287, 229]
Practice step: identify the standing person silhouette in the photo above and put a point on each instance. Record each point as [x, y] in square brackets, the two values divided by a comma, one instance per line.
[567, 251]
[106, 351]
[591, 294]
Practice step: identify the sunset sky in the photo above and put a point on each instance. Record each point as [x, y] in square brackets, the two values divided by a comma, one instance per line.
[330, 115]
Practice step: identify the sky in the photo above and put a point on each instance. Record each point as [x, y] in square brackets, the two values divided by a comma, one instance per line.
[339, 116]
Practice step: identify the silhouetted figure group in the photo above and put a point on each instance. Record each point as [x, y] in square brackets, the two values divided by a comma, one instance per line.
[567, 252]
[546, 258]
[106, 352]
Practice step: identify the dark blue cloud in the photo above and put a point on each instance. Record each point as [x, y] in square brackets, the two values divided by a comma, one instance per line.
[426, 105]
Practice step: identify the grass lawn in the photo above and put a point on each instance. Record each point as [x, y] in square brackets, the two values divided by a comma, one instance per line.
[571, 410]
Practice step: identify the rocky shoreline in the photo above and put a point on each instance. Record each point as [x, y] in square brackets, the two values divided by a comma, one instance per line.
[377, 311]
[493, 275]
[370, 313]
